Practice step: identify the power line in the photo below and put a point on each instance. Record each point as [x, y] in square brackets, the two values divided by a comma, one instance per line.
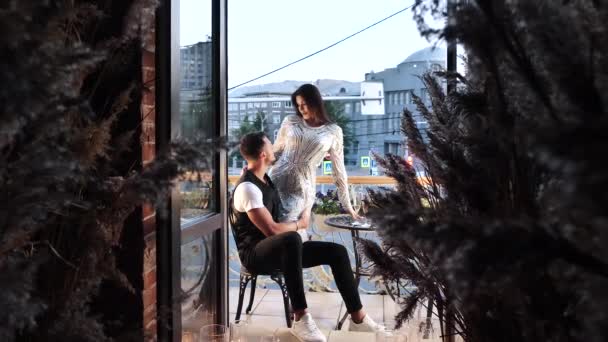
[323, 49]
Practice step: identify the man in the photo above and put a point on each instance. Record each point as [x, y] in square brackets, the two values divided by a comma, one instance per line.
[265, 244]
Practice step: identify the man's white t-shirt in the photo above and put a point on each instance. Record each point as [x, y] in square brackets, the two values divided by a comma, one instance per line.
[247, 196]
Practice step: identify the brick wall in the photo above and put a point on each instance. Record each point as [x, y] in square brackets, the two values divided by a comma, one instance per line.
[148, 145]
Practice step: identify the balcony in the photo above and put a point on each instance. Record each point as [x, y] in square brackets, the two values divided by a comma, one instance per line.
[325, 303]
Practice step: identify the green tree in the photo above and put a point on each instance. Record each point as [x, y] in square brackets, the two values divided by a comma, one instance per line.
[259, 123]
[196, 115]
[335, 111]
[247, 126]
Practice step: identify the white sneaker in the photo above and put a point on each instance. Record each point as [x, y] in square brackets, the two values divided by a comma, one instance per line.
[306, 330]
[367, 325]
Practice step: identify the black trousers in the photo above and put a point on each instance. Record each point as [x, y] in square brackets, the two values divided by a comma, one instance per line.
[287, 253]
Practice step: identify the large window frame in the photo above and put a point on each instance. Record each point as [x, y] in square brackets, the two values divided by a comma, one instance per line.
[171, 235]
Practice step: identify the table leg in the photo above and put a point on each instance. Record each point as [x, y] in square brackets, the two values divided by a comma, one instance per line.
[355, 236]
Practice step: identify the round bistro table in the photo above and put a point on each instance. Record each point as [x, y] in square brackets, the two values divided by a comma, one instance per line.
[346, 222]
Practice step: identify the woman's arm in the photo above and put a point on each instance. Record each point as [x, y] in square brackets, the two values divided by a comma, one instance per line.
[279, 143]
[336, 154]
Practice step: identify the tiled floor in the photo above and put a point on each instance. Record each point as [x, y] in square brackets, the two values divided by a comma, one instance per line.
[325, 308]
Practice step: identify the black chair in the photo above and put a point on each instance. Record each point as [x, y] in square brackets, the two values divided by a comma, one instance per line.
[247, 276]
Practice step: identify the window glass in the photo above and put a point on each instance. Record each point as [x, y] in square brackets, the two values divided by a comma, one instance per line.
[197, 192]
[347, 108]
[197, 120]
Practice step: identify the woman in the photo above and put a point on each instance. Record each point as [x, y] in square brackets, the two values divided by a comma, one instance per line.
[302, 142]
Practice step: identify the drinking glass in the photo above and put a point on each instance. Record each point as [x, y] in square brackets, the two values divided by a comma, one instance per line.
[213, 333]
[188, 336]
[364, 204]
[390, 335]
[355, 201]
[238, 331]
[424, 330]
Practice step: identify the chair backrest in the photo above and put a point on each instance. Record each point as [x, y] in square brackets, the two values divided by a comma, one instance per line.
[230, 206]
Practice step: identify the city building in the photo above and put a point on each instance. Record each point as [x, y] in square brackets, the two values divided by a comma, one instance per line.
[274, 100]
[400, 83]
[375, 125]
[195, 89]
[354, 98]
[195, 60]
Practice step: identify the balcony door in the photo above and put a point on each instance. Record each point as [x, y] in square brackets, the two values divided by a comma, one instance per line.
[193, 250]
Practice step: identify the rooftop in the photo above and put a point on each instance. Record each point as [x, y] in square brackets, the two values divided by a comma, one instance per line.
[427, 54]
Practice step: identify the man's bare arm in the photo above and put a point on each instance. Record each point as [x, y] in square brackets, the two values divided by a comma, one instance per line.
[263, 220]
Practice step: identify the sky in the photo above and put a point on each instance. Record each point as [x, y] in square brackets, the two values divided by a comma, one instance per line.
[266, 34]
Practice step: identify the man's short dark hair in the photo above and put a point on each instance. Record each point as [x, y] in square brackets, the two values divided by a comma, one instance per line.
[252, 145]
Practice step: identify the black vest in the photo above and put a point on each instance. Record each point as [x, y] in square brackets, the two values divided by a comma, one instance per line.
[246, 234]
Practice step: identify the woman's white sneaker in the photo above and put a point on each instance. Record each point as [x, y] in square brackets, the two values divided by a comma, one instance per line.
[306, 330]
[367, 325]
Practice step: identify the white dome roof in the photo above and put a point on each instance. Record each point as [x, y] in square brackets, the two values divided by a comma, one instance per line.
[427, 54]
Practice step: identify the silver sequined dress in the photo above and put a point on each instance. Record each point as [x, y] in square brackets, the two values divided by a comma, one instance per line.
[300, 149]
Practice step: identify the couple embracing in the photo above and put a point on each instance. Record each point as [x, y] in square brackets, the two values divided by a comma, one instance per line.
[270, 212]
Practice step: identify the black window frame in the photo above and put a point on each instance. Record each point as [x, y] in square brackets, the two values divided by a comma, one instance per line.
[170, 235]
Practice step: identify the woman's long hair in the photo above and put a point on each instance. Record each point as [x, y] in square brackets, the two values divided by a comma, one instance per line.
[313, 100]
